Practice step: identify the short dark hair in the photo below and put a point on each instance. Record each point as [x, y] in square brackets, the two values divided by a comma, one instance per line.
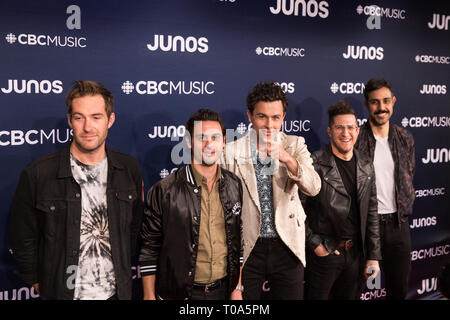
[204, 115]
[375, 84]
[267, 92]
[82, 88]
[338, 108]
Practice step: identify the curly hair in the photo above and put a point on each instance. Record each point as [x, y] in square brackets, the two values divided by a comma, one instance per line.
[338, 108]
[267, 92]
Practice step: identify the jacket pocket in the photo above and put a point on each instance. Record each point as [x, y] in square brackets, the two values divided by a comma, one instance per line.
[52, 216]
[126, 199]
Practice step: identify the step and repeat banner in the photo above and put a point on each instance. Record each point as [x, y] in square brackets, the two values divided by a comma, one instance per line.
[163, 60]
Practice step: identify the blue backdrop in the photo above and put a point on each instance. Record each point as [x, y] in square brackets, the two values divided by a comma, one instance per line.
[163, 60]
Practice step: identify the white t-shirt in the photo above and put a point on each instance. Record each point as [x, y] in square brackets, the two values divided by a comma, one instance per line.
[384, 172]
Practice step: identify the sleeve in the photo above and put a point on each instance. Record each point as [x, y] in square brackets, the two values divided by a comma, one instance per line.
[152, 231]
[24, 230]
[373, 228]
[138, 210]
[306, 178]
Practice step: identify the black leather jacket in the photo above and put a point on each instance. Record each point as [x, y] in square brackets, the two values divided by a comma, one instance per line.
[171, 227]
[45, 222]
[325, 211]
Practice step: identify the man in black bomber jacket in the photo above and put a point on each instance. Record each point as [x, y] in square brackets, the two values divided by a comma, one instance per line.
[191, 234]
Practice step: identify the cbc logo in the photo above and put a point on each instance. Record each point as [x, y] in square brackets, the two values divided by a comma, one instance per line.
[169, 87]
[347, 88]
[432, 59]
[46, 40]
[381, 12]
[426, 122]
[280, 52]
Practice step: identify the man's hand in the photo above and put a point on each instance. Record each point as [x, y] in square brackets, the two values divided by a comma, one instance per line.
[36, 288]
[321, 251]
[372, 269]
[236, 295]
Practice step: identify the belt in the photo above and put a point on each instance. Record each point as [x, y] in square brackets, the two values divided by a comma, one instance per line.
[387, 216]
[209, 286]
[346, 244]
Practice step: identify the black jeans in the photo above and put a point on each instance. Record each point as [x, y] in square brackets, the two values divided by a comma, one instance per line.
[272, 260]
[337, 277]
[396, 255]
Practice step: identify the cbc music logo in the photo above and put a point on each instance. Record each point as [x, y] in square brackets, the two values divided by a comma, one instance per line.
[34, 136]
[164, 172]
[381, 12]
[425, 58]
[33, 86]
[438, 155]
[430, 252]
[72, 22]
[280, 52]
[29, 39]
[433, 89]
[310, 8]
[347, 87]
[169, 87]
[426, 122]
[288, 126]
[434, 192]
[364, 53]
[373, 294]
[178, 43]
[442, 24]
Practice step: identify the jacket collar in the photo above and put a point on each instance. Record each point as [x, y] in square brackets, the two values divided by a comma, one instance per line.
[65, 171]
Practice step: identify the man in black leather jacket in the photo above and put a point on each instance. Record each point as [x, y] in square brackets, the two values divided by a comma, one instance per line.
[76, 213]
[191, 234]
[342, 232]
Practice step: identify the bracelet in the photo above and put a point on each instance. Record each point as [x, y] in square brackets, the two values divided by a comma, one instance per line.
[240, 288]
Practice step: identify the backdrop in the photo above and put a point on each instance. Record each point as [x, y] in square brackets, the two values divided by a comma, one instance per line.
[163, 60]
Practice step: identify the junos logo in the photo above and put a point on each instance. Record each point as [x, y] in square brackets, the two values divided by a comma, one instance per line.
[23, 293]
[280, 52]
[167, 132]
[288, 87]
[169, 87]
[347, 88]
[425, 122]
[178, 44]
[428, 285]
[439, 155]
[33, 86]
[310, 8]
[364, 53]
[439, 22]
[433, 89]
[423, 222]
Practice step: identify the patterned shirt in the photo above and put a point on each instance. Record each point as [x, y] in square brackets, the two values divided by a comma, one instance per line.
[95, 278]
[264, 173]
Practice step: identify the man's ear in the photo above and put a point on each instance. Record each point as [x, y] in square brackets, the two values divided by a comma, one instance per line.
[111, 119]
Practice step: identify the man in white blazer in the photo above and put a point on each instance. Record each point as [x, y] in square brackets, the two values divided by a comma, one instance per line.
[273, 167]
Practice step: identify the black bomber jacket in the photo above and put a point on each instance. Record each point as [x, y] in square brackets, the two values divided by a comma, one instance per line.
[171, 227]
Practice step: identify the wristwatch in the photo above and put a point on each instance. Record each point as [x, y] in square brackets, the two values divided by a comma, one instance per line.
[240, 288]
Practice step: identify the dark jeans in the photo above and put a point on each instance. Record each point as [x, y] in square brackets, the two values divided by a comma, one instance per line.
[272, 260]
[220, 293]
[338, 277]
[396, 255]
